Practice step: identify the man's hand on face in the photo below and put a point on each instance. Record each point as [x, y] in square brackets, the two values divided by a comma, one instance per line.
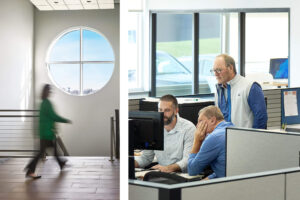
[200, 132]
[162, 168]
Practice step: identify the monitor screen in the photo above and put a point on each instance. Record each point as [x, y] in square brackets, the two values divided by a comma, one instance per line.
[146, 128]
[279, 68]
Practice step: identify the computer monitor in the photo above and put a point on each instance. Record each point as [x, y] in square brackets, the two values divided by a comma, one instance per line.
[146, 130]
[279, 68]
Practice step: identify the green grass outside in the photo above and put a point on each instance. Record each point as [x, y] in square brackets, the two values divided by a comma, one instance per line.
[184, 48]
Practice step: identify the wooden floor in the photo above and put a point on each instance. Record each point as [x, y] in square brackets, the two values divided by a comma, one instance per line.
[82, 178]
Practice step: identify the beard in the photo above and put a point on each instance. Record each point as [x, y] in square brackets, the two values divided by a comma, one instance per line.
[168, 120]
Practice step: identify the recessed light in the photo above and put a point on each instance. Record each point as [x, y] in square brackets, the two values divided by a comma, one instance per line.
[55, 1]
[88, 1]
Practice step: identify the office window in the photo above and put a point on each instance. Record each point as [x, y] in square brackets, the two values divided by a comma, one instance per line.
[80, 61]
[174, 50]
[266, 40]
[217, 34]
[135, 51]
[230, 36]
[258, 41]
[210, 44]
[174, 71]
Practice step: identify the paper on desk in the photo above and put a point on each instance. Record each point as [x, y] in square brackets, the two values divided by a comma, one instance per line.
[290, 103]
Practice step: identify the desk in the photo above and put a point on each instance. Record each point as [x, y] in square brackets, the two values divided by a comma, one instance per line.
[289, 128]
[280, 84]
[293, 128]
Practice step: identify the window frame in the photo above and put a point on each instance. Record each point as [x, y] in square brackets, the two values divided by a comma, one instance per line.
[81, 62]
[140, 54]
[241, 40]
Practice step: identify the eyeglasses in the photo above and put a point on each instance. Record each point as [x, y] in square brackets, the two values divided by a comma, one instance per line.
[218, 71]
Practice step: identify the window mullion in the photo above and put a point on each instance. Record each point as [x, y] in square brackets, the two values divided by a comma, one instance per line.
[81, 63]
[153, 55]
[196, 53]
[242, 42]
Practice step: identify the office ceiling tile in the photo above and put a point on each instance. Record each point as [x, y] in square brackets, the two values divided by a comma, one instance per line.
[72, 2]
[75, 7]
[56, 2]
[107, 6]
[90, 6]
[60, 7]
[44, 7]
[86, 2]
[105, 1]
[39, 2]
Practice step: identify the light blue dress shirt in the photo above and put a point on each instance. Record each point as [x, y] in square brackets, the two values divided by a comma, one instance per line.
[212, 152]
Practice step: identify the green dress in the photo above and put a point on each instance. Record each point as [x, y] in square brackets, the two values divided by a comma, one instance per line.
[48, 117]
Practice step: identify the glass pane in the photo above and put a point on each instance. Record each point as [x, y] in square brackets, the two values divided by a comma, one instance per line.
[66, 77]
[67, 48]
[230, 37]
[218, 33]
[267, 48]
[210, 39]
[96, 47]
[95, 76]
[134, 28]
[174, 54]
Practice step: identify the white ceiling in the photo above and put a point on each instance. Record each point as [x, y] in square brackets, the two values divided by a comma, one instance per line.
[73, 4]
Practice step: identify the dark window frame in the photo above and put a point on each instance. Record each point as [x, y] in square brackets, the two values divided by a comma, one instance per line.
[241, 40]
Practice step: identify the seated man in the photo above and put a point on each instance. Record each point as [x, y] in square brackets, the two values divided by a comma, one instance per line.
[178, 140]
[209, 143]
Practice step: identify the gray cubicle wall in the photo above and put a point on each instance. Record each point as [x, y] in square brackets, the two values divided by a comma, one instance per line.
[253, 150]
[272, 185]
[268, 187]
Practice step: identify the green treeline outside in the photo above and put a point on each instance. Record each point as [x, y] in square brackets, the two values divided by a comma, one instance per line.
[184, 48]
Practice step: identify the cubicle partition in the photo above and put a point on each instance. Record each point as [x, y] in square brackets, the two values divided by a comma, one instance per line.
[272, 185]
[253, 150]
[260, 164]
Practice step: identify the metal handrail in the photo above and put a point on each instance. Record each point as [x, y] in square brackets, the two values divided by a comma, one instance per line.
[24, 115]
[19, 115]
[117, 134]
[15, 150]
[114, 137]
[15, 110]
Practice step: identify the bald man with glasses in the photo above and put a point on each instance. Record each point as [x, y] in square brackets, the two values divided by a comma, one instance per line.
[241, 101]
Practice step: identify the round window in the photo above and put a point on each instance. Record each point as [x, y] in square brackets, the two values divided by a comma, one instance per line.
[80, 61]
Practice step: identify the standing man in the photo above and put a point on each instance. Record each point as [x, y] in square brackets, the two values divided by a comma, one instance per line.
[240, 100]
[178, 140]
[209, 143]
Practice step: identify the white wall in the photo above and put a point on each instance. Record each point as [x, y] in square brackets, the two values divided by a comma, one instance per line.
[89, 134]
[232, 4]
[16, 54]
